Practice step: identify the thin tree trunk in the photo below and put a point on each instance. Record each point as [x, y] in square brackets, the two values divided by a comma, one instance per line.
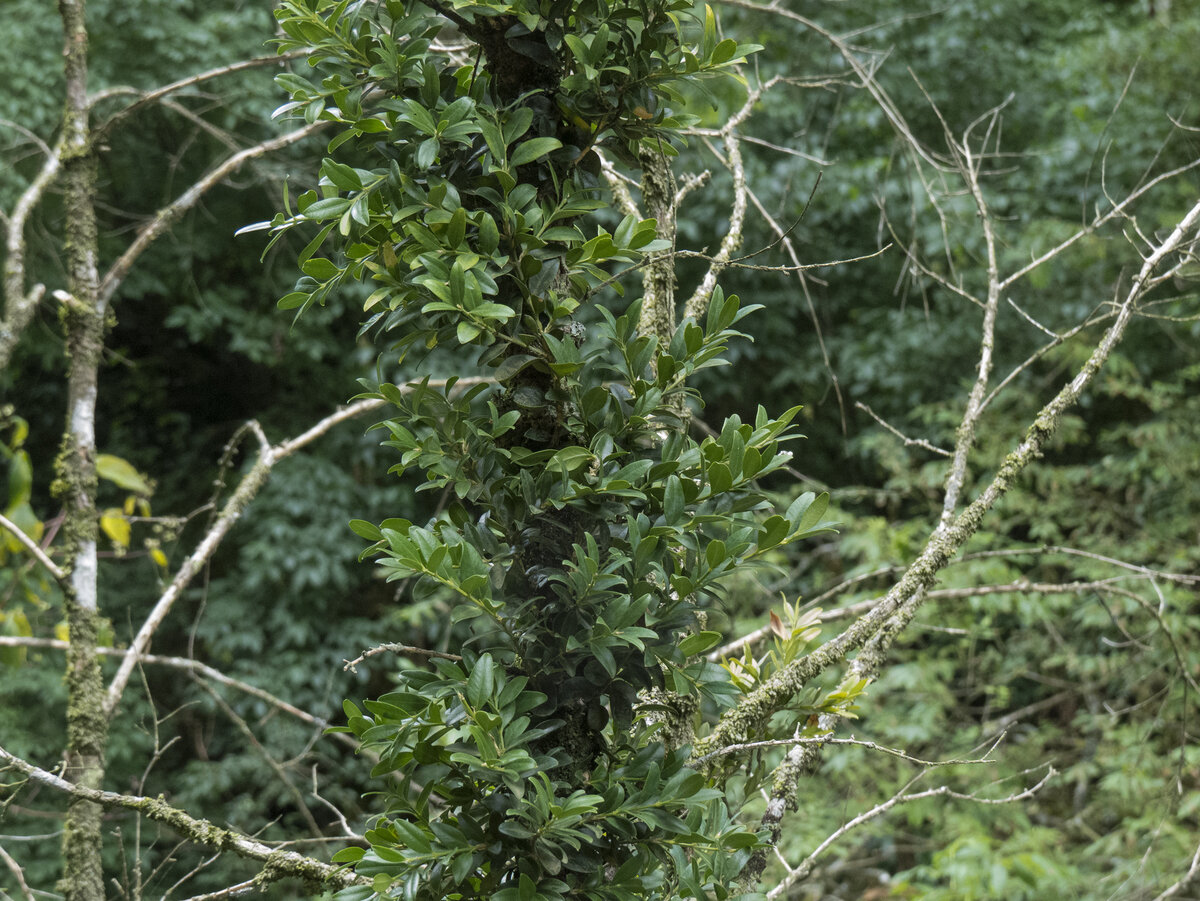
[84, 322]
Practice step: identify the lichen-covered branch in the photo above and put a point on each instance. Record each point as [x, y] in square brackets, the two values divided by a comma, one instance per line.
[969, 167]
[697, 304]
[278, 864]
[84, 317]
[19, 302]
[618, 184]
[658, 276]
[873, 634]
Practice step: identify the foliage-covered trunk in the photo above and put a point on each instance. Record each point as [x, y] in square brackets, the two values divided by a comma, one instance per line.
[587, 531]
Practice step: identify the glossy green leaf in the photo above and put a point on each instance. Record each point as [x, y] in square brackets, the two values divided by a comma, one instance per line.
[699, 643]
[533, 149]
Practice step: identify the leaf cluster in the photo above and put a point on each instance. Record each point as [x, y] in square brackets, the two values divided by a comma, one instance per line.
[584, 530]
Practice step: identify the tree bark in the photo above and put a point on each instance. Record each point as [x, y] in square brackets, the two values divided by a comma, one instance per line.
[84, 314]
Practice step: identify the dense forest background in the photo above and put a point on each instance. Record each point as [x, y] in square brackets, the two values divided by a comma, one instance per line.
[1098, 96]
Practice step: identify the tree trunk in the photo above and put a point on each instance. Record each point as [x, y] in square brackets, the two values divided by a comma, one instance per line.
[84, 322]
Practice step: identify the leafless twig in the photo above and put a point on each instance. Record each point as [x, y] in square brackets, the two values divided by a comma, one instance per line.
[19, 303]
[18, 874]
[908, 442]
[869, 745]
[247, 488]
[397, 649]
[1184, 881]
[233, 891]
[144, 98]
[193, 666]
[901, 797]
[32, 546]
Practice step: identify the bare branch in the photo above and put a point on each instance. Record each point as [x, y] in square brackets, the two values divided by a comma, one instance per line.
[250, 886]
[1039, 353]
[1181, 578]
[908, 442]
[350, 411]
[249, 486]
[397, 649]
[30, 134]
[788, 245]
[698, 302]
[1037, 325]
[347, 832]
[194, 666]
[1003, 723]
[916, 263]
[790, 151]
[145, 98]
[869, 745]
[280, 864]
[803, 267]
[1184, 881]
[619, 185]
[846, 584]
[969, 168]
[17, 872]
[1018, 587]
[19, 304]
[873, 632]
[901, 797]
[1022, 587]
[165, 217]
[32, 546]
[865, 73]
[1119, 209]
[266, 757]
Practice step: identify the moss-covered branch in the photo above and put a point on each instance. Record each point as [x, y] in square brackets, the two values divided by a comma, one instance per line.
[84, 315]
[278, 864]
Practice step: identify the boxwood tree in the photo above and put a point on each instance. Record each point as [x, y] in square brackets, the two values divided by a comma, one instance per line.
[587, 530]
